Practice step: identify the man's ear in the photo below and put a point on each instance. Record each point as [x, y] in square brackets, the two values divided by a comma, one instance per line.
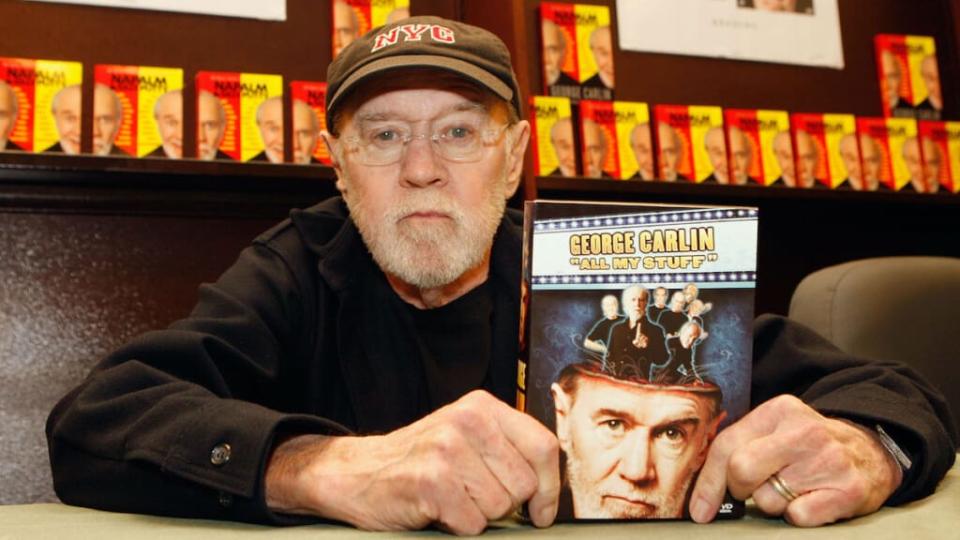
[333, 148]
[520, 136]
[562, 402]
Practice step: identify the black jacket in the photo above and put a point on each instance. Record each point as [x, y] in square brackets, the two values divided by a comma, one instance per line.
[288, 341]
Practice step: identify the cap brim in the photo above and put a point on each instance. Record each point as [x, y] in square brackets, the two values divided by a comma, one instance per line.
[446, 63]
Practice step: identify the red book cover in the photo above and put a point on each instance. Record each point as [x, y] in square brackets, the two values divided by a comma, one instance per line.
[239, 116]
[691, 145]
[909, 76]
[577, 51]
[759, 147]
[940, 148]
[598, 140]
[826, 151]
[138, 111]
[40, 105]
[891, 154]
[309, 119]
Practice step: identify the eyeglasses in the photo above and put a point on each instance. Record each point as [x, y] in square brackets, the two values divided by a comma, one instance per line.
[460, 138]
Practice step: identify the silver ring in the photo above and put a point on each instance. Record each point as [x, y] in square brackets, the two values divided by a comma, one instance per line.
[781, 487]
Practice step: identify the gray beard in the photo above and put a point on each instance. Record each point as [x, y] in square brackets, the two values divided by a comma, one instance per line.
[429, 255]
[587, 503]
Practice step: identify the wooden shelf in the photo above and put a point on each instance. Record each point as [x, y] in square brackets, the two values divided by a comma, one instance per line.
[92, 184]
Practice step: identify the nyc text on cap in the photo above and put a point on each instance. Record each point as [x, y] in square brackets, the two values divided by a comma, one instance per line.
[424, 42]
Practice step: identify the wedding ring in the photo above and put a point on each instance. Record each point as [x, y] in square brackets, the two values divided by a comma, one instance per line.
[781, 487]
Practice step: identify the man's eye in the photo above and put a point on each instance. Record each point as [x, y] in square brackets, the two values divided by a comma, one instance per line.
[385, 136]
[673, 434]
[458, 133]
[614, 425]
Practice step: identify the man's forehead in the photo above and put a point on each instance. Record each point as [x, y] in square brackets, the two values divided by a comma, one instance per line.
[650, 401]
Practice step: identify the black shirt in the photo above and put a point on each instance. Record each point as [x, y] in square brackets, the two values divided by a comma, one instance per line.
[454, 342]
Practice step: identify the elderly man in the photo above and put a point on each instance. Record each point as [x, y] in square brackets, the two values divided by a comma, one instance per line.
[270, 126]
[554, 52]
[601, 46]
[168, 115]
[9, 108]
[357, 361]
[306, 133]
[632, 448]
[891, 76]
[741, 155]
[346, 26]
[670, 150]
[561, 138]
[871, 159]
[808, 161]
[850, 156]
[211, 127]
[716, 148]
[930, 74]
[932, 163]
[599, 335]
[596, 146]
[642, 146]
[107, 117]
[783, 153]
[65, 108]
[910, 151]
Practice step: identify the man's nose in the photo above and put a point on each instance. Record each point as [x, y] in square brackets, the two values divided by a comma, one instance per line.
[420, 164]
[636, 464]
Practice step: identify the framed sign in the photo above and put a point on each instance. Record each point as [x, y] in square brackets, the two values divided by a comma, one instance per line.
[271, 10]
[802, 32]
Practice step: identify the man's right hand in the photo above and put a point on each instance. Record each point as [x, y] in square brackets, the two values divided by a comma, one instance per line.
[466, 464]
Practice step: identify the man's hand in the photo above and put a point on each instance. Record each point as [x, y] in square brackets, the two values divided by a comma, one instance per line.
[471, 462]
[838, 469]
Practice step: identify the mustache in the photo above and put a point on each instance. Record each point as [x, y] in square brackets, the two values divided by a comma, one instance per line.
[427, 202]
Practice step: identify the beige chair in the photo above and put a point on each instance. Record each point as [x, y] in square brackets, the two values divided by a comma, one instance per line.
[892, 308]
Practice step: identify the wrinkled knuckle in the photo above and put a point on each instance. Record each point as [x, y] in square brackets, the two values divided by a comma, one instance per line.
[786, 404]
[546, 446]
[479, 398]
[722, 443]
[526, 484]
[471, 420]
[739, 467]
[502, 505]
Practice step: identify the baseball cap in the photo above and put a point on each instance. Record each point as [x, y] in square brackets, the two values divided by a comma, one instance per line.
[424, 42]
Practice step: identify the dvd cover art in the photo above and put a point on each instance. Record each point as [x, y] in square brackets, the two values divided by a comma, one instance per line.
[354, 18]
[615, 140]
[826, 150]
[636, 324]
[760, 147]
[555, 151]
[577, 51]
[940, 148]
[691, 145]
[138, 111]
[239, 116]
[40, 105]
[308, 99]
[891, 155]
[909, 76]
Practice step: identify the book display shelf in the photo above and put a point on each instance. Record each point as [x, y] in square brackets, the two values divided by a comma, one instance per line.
[801, 230]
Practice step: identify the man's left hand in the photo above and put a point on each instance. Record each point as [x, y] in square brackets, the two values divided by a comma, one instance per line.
[835, 468]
